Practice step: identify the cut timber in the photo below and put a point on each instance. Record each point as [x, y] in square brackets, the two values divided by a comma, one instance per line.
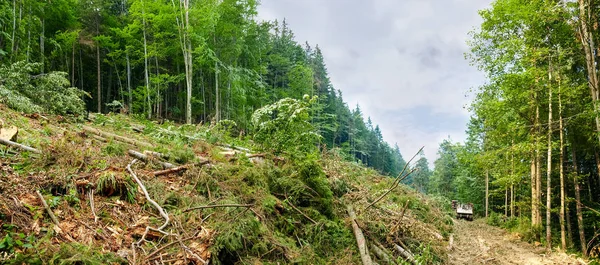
[144, 158]
[9, 133]
[381, 254]
[360, 238]
[170, 170]
[115, 137]
[20, 146]
[406, 254]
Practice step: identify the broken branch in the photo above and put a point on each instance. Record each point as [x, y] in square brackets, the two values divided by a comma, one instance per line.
[360, 238]
[218, 206]
[48, 210]
[300, 212]
[20, 146]
[150, 200]
[405, 254]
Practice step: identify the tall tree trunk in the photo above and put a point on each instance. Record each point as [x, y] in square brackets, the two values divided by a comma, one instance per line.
[597, 164]
[73, 64]
[587, 41]
[487, 193]
[512, 175]
[12, 48]
[99, 76]
[568, 220]
[533, 192]
[578, 204]
[130, 95]
[217, 100]
[506, 201]
[146, 78]
[549, 170]
[538, 175]
[563, 239]
[42, 50]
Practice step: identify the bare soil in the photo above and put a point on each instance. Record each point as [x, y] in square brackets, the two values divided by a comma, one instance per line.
[478, 243]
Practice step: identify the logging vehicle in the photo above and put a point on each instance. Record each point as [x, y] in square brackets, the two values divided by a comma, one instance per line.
[463, 210]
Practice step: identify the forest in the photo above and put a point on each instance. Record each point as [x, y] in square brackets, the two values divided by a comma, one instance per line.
[202, 61]
[531, 159]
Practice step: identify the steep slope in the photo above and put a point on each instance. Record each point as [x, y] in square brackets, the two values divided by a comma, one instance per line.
[226, 205]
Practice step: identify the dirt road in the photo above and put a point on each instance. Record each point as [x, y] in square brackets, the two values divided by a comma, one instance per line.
[478, 243]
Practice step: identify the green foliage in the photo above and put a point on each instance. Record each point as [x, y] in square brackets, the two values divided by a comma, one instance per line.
[24, 88]
[284, 127]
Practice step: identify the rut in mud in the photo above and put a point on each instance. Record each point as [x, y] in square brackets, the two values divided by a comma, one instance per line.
[479, 243]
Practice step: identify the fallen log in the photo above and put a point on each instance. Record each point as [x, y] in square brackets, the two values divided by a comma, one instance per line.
[48, 210]
[218, 206]
[170, 170]
[405, 254]
[381, 254]
[360, 238]
[116, 137]
[20, 146]
[145, 158]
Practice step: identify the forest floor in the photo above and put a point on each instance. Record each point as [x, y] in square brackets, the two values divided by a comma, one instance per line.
[479, 243]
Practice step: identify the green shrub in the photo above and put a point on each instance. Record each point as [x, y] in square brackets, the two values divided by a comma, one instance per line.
[24, 88]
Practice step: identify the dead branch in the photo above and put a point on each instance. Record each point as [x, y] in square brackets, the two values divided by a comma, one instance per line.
[48, 210]
[300, 212]
[145, 158]
[170, 170]
[381, 254]
[91, 195]
[151, 201]
[20, 146]
[405, 254]
[404, 210]
[397, 182]
[360, 238]
[450, 242]
[218, 206]
[116, 137]
[398, 179]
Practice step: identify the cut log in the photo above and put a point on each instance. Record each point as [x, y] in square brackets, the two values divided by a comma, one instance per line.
[20, 146]
[405, 254]
[381, 254]
[115, 137]
[170, 170]
[360, 238]
[9, 133]
[144, 158]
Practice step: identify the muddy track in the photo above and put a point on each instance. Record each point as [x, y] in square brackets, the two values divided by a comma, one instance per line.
[478, 243]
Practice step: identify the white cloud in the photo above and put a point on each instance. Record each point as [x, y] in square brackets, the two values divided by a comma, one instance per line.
[402, 61]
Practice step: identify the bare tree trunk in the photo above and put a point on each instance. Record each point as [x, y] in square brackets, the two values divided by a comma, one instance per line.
[568, 220]
[487, 182]
[146, 78]
[587, 42]
[538, 175]
[578, 205]
[99, 88]
[12, 48]
[130, 95]
[563, 239]
[217, 101]
[73, 64]
[512, 175]
[533, 192]
[506, 201]
[549, 170]
[42, 41]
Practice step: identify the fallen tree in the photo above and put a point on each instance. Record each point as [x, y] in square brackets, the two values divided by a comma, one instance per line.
[360, 238]
[20, 146]
[116, 137]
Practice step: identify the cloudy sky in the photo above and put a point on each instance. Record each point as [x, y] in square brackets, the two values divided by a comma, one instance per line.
[402, 61]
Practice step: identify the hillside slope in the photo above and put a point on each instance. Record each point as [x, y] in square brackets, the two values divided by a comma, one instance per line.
[224, 206]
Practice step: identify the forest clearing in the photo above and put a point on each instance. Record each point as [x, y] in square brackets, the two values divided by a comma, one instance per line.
[210, 132]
